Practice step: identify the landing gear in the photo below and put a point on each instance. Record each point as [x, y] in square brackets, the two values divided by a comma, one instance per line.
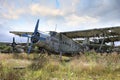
[60, 56]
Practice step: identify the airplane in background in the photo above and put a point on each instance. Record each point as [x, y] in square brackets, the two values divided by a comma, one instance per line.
[7, 47]
[66, 42]
[17, 47]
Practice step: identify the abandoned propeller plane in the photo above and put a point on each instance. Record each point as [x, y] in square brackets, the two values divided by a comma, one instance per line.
[52, 41]
[11, 47]
[63, 42]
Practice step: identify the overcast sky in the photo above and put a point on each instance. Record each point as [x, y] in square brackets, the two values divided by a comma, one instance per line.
[69, 15]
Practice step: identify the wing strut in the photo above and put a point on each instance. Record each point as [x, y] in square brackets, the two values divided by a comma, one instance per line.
[102, 43]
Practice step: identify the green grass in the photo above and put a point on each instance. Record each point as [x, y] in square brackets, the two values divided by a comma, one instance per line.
[90, 66]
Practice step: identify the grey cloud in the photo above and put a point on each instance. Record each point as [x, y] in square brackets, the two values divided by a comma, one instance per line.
[105, 10]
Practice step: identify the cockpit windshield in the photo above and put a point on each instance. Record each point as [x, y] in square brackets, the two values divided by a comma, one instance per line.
[49, 33]
[53, 33]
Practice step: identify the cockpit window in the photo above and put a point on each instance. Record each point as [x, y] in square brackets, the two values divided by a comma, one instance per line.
[52, 33]
[46, 33]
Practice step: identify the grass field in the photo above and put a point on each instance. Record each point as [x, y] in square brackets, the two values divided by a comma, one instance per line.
[90, 66]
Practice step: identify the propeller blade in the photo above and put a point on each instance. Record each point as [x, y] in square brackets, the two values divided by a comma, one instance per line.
[13, 39]
[13, 44]
[29, 49]
[35, 31]
[36, 27]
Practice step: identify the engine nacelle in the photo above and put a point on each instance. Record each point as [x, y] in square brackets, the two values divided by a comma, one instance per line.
[35, 37]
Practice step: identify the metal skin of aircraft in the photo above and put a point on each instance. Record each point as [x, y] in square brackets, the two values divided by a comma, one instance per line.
[52, 41]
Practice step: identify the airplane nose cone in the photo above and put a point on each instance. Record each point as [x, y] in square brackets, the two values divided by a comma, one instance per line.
[35, 37]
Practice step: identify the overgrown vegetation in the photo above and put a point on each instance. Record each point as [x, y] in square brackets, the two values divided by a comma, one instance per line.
[5, 48]
[88, 66]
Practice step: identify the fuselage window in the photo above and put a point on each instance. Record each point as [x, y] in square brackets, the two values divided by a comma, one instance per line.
[66, 43]
[53, 40]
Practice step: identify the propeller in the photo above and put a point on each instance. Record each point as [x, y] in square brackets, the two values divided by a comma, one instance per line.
[35, 36]
[13, 44]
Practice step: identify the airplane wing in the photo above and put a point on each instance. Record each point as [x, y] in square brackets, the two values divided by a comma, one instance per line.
[23, 34]
[110, 31]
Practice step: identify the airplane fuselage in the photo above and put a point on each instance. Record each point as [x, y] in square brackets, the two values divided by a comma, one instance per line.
[57, 42]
